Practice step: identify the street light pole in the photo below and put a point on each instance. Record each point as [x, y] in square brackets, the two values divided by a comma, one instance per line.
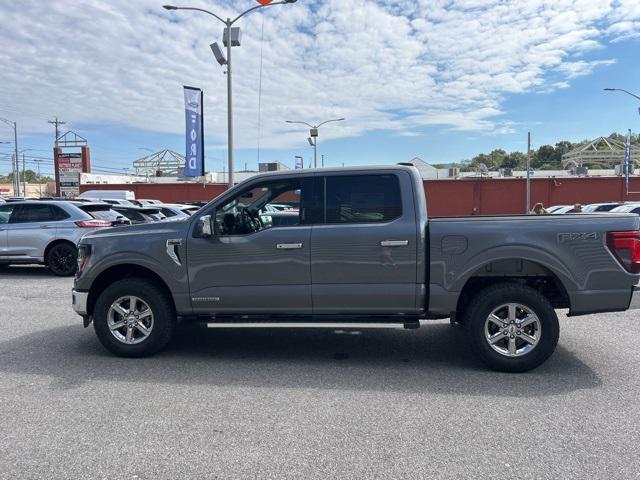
[228, 24]
[625, 168]
[313, 135]
[229, 106]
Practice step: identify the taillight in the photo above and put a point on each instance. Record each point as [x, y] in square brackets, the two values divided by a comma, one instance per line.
[93, 223]
[625, 246]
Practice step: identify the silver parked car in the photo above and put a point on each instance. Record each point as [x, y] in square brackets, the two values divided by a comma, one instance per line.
[44, 232]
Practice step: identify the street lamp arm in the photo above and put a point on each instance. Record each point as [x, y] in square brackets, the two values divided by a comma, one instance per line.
[622, 90]
[256, 8]
[301, 123]
[198, 10]
[329, 121]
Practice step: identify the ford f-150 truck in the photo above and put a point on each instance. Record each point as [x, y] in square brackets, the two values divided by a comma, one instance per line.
[361, 253]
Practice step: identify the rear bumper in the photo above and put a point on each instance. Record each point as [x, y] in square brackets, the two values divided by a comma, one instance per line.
[635, 298]
[79, 301]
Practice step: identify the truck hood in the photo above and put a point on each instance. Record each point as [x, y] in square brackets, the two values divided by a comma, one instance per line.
[176, 228]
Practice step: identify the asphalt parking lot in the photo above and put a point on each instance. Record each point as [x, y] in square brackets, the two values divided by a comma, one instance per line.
[307, 404]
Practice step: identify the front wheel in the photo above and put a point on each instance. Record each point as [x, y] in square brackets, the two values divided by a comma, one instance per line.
[512, 327]
[134, 318]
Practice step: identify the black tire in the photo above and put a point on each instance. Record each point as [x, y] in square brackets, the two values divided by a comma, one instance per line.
[164, 317]
[491, 298]
[62, 259]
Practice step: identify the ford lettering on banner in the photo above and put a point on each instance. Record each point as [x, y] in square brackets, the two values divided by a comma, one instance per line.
[194, 158]
[627, 161]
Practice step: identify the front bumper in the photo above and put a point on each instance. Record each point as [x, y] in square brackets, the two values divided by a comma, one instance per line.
[635, 298]
[79, 301]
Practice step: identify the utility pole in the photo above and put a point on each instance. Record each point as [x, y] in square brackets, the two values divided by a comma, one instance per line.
[39, 177]
[24, 176]
[528, 173]
[15, 165]
[57, 123]
[322, 161]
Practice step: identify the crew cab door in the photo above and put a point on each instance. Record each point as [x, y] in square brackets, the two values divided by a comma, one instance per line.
[364, 253]
[249, 264]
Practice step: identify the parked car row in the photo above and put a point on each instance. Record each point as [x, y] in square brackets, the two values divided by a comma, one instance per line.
[606, 207]
[46, 231]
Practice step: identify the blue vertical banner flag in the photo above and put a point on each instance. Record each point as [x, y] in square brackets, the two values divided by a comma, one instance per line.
[194, 121]
[627, 161]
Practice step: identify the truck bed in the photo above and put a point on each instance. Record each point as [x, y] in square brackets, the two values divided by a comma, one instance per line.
[570, 248]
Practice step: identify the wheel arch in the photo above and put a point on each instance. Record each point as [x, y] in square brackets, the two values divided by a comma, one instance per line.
[53, 243]
[514, 270]
[122, 271]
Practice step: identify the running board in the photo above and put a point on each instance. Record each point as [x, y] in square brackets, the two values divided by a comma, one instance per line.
[329, 325]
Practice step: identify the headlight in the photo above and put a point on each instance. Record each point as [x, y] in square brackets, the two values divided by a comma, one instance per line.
[84, 253]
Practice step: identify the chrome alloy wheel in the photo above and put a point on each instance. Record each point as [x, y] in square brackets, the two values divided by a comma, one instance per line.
[130, 320]
[512, 330]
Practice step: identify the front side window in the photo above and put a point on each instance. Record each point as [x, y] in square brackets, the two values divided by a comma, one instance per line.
[32, 214]
[252, 210]
[362, 199]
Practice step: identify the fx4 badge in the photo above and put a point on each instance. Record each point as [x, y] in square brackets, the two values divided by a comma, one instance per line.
[578, 237]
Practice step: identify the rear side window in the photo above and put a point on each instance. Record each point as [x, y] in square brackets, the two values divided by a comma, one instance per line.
[58, 213]
[362, 199]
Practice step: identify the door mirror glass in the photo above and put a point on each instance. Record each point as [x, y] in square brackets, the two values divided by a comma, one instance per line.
[204, 228]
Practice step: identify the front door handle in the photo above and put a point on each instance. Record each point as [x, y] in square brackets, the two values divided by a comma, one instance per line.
[289, 246]
[394, 243]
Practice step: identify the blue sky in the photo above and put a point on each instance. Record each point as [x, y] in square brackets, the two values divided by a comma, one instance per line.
[442, 80]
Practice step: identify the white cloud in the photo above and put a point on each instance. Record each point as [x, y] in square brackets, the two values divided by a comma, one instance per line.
[387, 64]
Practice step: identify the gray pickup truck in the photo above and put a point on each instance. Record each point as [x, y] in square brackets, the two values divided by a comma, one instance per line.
[363, 254]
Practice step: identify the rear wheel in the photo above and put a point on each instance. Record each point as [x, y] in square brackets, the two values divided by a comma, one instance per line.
[512, 328]
[134, 318]
[62, 259]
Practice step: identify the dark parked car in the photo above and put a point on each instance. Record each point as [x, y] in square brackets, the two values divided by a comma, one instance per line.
[102, 211]
[140, 214]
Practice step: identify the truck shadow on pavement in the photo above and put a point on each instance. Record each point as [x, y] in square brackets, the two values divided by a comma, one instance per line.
[435, 358]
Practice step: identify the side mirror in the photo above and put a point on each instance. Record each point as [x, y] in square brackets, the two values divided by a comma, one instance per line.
[205, 229]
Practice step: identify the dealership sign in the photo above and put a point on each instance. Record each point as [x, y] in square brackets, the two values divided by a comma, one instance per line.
[69, 169]
[194, 156]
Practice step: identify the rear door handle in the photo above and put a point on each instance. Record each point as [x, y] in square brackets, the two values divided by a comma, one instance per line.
[289, 246]
[394, 243]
